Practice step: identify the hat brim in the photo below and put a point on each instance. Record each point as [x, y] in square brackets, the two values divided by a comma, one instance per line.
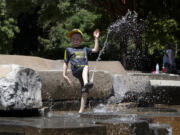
[74, 31]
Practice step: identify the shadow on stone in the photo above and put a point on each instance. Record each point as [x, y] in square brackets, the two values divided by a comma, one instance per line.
[20, 113]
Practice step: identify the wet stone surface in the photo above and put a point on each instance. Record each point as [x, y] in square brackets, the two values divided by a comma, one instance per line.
[92, 123]
[120, 117]
[70, 124]
[160, 129]
[75, 124]
[121, 124]
[118, 126]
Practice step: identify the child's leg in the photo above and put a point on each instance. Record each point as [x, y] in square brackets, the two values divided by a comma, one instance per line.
[85, 74]
[83, 101]
[82, 75]
[84, 94]
[85, 78]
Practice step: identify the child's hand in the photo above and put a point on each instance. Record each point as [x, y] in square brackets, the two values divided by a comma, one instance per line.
[96, 33]
[67, 79]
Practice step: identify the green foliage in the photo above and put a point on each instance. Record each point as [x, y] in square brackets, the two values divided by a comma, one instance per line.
[85, 21]
[159, 32]
[39, 27]
[57, 35]
[8, 29]
[18, 7]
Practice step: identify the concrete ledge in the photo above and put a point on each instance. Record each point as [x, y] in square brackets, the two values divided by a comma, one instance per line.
[161, 76]
[165, 83]
[112, 67]
[64, 125]
[55, 88]
[146, 89]
[39, 64]
[166, 91]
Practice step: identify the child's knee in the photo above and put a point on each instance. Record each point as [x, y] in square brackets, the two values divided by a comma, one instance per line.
[86, 67]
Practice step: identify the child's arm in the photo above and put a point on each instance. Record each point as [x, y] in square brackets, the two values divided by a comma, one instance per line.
[65, 66]
[96, 44]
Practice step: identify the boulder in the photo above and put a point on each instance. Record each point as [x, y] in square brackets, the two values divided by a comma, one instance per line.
[20, 88]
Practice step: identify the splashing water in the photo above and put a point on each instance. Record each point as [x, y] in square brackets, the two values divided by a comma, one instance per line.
[170, 131]
[99, 56]
[50, 105]
[121, 30]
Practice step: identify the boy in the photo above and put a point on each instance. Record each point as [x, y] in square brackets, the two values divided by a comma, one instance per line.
[78, 57]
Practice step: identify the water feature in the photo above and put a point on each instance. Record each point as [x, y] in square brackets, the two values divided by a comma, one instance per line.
[114, 118]
[122, 30]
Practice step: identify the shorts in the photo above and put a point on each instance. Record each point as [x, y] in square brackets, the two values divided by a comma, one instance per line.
[77, 72]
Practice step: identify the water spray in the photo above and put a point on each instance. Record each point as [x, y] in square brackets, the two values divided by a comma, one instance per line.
[127, 26]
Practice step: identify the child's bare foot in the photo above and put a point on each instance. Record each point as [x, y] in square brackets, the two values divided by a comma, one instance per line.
[81, 110]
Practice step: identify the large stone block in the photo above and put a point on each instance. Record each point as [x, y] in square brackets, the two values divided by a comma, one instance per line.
[39, 64]
[20, 88]
[166, 91]
[55, 88]
[112, 67]
[127, 87]
[62, 125]
[161, 76]
[146, 89]
[126, 128]
[160, 129]
[32, 62]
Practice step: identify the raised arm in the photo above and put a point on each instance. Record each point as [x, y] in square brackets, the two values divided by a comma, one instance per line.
[96, 44]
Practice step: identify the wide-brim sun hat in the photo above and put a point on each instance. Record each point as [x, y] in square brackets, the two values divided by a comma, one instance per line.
[74, 31]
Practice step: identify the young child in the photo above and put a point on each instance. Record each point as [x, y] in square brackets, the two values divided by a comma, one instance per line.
[78, 57]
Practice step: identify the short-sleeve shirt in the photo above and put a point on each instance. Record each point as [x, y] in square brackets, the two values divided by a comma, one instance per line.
[166, 58]
[77, 56]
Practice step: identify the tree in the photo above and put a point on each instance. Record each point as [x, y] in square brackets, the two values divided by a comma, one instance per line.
[8, 28]
[57, 39]
[162, 26]
[113, 8]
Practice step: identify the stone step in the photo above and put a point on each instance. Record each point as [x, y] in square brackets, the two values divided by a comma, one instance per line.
[55, 88]
[20, 113]
[6, 129]
[165, 91]
[62, 125]
[9, 133]
[160, 129]
[165, 83]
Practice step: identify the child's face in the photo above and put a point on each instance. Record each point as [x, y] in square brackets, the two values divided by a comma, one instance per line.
[76, 39]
